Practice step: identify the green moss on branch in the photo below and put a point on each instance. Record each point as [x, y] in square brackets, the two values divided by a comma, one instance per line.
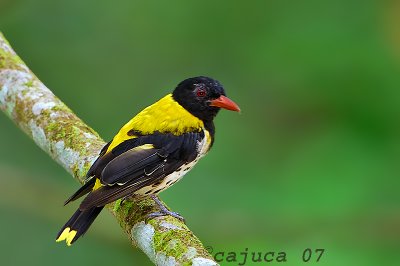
[60, 133]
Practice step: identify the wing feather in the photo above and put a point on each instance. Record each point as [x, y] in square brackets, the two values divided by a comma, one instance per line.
[107, 194]
[131, 165]
[148, 161]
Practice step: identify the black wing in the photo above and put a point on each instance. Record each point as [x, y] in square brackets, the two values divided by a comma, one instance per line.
[100, 163]
[140, 162]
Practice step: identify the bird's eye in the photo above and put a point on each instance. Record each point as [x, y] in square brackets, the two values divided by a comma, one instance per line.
[201, 92]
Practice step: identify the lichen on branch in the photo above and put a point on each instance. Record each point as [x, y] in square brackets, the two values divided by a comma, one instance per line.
[74, 145]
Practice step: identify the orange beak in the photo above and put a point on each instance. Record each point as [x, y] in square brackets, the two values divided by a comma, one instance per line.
[226, 103]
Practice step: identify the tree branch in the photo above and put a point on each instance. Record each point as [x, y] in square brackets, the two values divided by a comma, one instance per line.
[74, 145]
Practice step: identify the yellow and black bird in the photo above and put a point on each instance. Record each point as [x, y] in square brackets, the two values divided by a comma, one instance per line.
[151, 152]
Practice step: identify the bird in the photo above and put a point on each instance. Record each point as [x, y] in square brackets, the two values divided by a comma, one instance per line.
[151, 152]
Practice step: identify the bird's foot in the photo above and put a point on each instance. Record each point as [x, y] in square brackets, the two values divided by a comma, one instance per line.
[163, 211]
[124, 199]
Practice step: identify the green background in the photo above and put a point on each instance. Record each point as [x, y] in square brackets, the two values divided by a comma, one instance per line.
[311, 162]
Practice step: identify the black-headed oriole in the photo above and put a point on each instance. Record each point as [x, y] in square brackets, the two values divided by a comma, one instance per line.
[152, 151]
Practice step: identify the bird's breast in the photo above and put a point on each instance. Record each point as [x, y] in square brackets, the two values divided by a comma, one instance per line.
[168, 180]
[204, 145]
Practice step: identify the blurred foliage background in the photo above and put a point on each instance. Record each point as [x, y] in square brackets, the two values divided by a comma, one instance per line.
[312, 161]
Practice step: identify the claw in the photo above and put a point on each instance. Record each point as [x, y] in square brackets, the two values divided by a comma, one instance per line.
[163, 211]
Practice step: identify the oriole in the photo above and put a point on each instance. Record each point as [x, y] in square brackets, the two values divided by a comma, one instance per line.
[151, 152]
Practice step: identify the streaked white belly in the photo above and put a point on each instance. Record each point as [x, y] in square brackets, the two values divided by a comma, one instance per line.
[174, 177]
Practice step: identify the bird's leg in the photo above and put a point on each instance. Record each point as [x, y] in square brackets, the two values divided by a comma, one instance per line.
[124, 199]
[163, 210]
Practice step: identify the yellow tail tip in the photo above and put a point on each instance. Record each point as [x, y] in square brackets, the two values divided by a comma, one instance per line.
[68, 235]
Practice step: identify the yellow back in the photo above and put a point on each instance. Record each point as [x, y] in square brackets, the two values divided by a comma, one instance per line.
[164, 116]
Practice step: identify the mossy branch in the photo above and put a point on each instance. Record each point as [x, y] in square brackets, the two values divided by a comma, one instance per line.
[74, 145]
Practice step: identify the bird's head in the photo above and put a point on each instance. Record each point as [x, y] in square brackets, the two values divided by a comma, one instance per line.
[203, 97]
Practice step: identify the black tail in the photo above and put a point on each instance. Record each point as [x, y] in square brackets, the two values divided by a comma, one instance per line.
[86, 188]
[77, 225]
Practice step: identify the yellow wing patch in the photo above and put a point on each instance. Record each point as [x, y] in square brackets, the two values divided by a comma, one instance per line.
[97, 184]
[166, 115]
[67, 235]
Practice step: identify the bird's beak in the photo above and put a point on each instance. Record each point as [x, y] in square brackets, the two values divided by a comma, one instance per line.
[226, 103]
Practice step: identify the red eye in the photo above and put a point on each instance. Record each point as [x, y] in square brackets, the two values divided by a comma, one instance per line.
[201, 92]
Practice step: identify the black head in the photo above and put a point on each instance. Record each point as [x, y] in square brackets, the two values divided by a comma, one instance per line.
[203, 97]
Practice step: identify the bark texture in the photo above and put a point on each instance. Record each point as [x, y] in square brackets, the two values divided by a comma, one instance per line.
[74, 145]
